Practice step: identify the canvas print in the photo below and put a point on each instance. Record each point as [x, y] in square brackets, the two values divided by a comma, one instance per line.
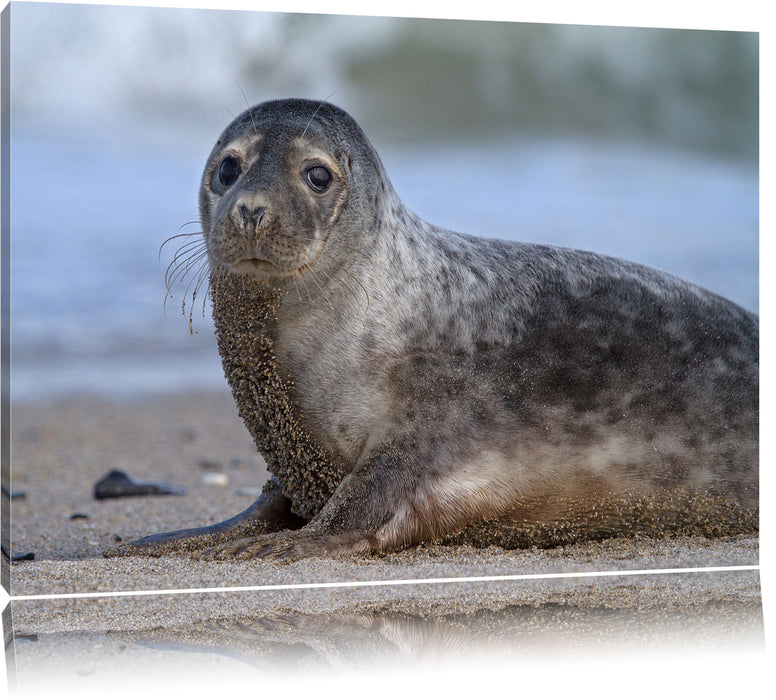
[469, 309]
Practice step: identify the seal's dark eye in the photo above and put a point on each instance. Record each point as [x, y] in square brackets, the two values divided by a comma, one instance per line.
[319, 178]
[228, 171]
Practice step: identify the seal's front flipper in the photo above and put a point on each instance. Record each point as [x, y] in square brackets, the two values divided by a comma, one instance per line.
[377, 507]
[270, 512]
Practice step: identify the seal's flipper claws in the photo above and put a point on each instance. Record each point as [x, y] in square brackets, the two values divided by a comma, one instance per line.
[287, 546]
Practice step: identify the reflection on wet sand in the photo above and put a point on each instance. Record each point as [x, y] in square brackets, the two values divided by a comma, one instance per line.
[83, 643]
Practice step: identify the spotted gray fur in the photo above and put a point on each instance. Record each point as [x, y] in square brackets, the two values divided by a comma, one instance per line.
[454, 381]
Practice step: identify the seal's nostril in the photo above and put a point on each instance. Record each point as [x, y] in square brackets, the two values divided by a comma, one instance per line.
[252, 217]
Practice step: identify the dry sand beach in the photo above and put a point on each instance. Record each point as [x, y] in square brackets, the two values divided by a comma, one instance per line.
[62, 447]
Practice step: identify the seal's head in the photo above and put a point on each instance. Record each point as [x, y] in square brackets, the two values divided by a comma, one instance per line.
[281, 179]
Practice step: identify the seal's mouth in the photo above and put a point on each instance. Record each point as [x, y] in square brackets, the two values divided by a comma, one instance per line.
[253, 265]
[262, 270]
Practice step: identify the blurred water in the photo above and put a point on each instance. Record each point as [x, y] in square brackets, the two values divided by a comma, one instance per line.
[168, 72]
[88, 218]
[640, 143]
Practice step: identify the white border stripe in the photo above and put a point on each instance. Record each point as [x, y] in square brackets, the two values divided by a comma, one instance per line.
[390, 582]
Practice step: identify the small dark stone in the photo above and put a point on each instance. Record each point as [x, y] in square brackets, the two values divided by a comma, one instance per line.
[188, 435]
[118, 538]
[13, 494]
[25, 637]
[210, 465]
[28, 556]
[117, 484]
[79, 516]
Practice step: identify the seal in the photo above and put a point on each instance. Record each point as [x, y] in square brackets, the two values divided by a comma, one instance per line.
[407, 383]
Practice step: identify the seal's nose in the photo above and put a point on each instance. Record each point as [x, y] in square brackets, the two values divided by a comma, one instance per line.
[252, 217]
